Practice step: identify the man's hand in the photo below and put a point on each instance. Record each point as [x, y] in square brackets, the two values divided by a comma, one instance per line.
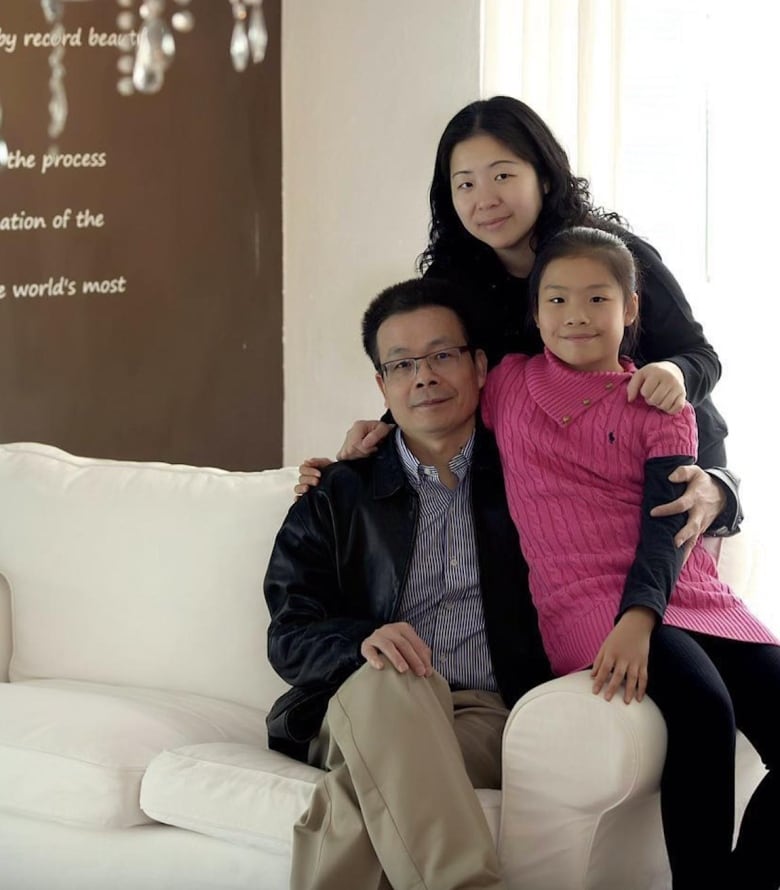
[623, 655]
[402, 647]
[703, 500]
[661, 384]
[363, 438]
[309, 473]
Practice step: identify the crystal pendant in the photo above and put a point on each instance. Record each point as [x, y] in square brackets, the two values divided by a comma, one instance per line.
[125, 21]
[156, 48]
[147, 79]
[163, 39]
[183, 21]
[239, 46]
[3, 145]
[125, 86]
[52, 10]
[257, 34]
[58, 109]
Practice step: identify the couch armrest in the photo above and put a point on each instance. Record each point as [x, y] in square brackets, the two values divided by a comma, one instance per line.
[570, 760]
[5, 628]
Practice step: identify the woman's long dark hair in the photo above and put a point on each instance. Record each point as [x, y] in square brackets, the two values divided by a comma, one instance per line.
[566, 203]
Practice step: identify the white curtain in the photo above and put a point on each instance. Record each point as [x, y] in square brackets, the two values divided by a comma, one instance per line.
[565, 59]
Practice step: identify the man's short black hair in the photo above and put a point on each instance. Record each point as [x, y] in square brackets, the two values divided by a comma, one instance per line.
[407, 296]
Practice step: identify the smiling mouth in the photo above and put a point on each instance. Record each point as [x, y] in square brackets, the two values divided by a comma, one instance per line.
[494, 223]
[430, 403]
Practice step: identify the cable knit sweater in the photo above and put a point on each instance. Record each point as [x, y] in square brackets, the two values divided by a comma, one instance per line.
[574, 452]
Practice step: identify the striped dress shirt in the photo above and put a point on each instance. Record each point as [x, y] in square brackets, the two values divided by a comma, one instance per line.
[442, 599]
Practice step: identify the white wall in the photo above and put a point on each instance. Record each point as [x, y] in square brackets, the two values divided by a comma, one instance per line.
[367, 87]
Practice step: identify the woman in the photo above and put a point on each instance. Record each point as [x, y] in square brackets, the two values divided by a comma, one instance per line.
[501, 187]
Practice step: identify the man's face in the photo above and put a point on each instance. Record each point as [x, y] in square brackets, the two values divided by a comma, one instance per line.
[431, 403]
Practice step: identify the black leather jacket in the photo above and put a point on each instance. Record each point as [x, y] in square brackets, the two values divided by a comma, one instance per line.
[338, 568]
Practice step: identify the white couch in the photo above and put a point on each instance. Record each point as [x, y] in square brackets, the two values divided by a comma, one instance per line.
[132, 737]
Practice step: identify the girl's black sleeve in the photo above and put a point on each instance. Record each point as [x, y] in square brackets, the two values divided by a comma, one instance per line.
[658, 560]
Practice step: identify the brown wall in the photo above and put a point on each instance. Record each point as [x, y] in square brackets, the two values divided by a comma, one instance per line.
[185, 364]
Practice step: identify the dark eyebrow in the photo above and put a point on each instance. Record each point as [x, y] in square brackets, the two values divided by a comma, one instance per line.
[492, 164]
[586, 287]
[432, 345]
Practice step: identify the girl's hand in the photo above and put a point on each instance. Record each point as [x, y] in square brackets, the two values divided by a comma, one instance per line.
[661, 384]
[309, 474]
[363, 438]
[704, 499]
[623, 654]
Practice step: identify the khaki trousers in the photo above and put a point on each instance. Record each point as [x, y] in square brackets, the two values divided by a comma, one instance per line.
[397, 806]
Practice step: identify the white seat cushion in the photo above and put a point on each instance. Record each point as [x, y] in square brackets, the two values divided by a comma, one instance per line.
[241, 793]
[75, 752]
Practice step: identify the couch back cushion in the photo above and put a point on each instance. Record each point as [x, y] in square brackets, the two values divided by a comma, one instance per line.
[140, 574]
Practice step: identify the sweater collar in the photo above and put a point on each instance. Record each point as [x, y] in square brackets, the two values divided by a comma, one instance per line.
[564, 393]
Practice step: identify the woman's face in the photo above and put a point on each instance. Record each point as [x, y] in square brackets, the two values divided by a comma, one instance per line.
[498, 198]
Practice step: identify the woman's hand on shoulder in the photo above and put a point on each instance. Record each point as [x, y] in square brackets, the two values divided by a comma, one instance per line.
[661, 384]
[363, 439]
[309, 473]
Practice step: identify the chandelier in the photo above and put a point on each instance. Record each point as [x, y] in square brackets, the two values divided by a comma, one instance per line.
[147, 47]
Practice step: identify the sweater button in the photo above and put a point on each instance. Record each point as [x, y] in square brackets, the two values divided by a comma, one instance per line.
[609, 386]
[566, 418]
[586, 402]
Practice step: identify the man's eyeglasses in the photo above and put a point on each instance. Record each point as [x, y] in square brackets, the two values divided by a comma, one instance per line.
[438, 361]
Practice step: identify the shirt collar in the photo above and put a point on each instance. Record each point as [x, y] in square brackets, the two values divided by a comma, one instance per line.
[416, 471]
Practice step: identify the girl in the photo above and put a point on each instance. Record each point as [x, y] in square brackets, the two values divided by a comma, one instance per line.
[501, 187]
[583, 465]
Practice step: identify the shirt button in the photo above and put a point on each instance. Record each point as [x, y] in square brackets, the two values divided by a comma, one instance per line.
[586, 402]
[453, 561]
[443, 657]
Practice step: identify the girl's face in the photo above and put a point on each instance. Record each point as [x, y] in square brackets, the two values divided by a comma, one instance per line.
[583, 313]
[498, 198]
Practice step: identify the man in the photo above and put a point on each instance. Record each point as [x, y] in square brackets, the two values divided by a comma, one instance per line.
[400, 605]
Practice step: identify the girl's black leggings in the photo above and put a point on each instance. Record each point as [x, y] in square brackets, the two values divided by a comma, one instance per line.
[706, 688]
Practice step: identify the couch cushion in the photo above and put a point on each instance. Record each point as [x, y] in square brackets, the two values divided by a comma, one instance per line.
[241, 793]
[75, 752]
[139, 574]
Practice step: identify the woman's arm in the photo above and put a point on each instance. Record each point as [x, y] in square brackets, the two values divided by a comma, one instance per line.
[668, 331]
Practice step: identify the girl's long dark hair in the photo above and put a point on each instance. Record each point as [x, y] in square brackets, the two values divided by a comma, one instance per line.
[566, 203]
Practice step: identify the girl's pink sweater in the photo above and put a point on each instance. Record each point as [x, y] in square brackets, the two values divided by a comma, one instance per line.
[573, 451]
